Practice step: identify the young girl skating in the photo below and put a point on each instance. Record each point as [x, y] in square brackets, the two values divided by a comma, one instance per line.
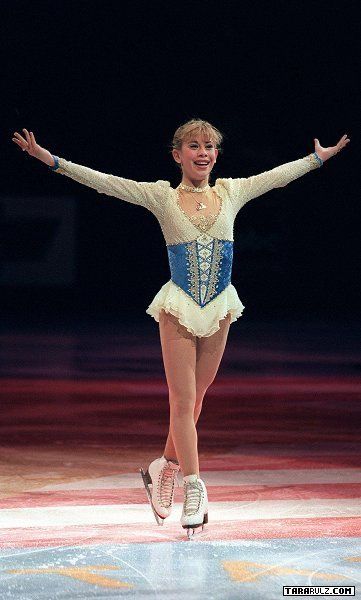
[197, 305]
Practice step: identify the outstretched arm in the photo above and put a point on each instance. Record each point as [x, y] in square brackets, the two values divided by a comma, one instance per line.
[150, 195]
[243, 189]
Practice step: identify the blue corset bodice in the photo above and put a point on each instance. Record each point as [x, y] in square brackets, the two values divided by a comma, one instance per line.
[202, 268]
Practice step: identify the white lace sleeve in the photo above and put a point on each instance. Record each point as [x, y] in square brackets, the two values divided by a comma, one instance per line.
[150, 195]
[243, 189]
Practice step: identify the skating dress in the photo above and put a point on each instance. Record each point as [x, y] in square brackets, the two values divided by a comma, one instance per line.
[199, 243]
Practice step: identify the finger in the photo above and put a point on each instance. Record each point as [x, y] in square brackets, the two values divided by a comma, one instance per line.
[29, 140]
[27, 136]
[19, 143]
[32, 138]
[344, 142]
[20, 136]
[20, 146]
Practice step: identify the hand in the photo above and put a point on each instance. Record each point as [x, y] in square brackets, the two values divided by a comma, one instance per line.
[31, 147]
[29, 144]
[326, 153]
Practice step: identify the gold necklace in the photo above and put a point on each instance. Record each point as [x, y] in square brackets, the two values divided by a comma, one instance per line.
[188, 188]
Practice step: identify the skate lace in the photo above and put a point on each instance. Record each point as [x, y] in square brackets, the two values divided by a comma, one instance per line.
[166, 485]
[192, 497]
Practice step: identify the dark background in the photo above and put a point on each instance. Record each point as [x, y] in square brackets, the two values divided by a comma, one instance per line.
[105, 84]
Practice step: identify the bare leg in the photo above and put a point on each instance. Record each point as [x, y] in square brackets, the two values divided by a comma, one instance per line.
[179, 357]
[209, 353]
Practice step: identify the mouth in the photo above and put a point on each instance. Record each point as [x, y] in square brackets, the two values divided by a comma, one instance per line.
[201, 164]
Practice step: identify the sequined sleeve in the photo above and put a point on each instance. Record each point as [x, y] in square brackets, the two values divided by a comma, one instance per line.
[150, 195]
[243, 189]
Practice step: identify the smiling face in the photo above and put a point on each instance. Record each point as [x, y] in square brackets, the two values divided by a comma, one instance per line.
[196, 156]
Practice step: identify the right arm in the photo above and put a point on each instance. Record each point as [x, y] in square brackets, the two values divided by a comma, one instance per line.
[149, 195]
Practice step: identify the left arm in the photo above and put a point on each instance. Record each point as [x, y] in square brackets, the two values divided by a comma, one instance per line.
[243, 189]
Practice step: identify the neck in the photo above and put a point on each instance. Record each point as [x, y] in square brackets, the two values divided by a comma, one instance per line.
[198, 183]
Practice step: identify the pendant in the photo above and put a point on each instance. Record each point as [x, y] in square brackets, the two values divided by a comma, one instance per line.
[200, 205]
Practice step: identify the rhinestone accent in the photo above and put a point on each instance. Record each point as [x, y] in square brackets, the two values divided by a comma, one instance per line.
[189, 188]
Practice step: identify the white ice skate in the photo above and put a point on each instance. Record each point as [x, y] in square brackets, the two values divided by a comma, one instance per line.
[159, 484]
[195, 505]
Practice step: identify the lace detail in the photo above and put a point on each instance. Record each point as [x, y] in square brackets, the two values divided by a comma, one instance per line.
[193, 494]
[200, 321]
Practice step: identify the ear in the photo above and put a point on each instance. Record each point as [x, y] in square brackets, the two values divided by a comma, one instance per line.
[176, 156]
[216, 153]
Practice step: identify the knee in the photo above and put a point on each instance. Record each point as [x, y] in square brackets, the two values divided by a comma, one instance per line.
[201, 389]
[181, 405]
[200, 393]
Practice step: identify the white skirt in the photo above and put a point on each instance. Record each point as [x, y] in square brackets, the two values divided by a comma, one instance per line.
[201, 322]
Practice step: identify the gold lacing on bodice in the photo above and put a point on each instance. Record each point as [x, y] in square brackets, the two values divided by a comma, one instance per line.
[205, 218]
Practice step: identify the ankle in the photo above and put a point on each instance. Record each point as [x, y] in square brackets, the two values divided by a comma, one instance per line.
[191, 477]
[173, 460]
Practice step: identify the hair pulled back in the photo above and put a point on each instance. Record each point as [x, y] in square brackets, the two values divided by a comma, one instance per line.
[196, 127]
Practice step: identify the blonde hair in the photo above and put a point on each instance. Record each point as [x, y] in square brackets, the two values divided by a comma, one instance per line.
[196, 126]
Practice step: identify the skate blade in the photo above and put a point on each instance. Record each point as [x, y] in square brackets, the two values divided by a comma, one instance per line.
[192, 529]
[147, 480]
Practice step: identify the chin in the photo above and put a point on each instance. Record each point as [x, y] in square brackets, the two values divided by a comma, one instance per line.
[202, 174]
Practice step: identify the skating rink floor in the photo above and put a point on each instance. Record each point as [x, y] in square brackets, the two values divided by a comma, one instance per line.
[83, 408]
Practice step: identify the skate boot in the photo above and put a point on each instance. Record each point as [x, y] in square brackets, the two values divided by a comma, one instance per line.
[159, 484]
[195, 505]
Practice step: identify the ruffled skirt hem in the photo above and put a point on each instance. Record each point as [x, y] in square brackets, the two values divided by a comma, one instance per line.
[201, 322]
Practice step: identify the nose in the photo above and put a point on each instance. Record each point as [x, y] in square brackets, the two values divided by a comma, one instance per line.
[202, 152]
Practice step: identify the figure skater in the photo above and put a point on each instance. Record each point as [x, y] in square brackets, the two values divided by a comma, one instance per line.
[196, 306]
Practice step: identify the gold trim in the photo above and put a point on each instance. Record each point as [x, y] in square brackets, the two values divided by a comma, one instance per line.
[196, 303]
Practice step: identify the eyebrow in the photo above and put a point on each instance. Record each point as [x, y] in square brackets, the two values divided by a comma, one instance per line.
[196, 142]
